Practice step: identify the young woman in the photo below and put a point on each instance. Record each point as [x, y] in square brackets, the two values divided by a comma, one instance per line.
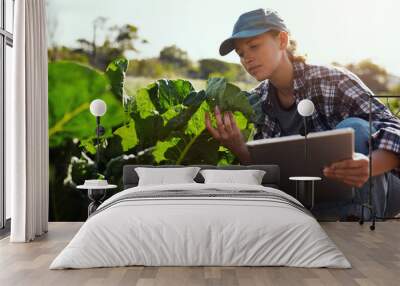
[261, 40]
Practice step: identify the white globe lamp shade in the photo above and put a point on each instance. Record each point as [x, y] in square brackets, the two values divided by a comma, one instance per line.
[305, 107]
[98, 107]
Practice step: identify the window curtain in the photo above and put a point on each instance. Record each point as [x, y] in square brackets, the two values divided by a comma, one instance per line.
[27, 152]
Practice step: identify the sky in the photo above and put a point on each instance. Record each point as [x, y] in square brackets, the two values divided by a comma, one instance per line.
[343, 31]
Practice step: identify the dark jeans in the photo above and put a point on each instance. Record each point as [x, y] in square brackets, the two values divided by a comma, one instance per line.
[385, 190]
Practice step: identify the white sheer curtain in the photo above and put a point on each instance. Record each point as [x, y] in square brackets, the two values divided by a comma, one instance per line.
[27, 143]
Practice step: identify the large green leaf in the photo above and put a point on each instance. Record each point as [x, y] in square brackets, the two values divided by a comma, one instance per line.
[128, 135]
[180, 121]
[164, 108]
[228, 97]
[200, 149]
[196, 124]
[142, 103]
[162, 147]
[147, 129]
[116, 72]
[167, 93]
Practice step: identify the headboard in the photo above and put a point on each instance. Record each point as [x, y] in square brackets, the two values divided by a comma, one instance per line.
[271, 178]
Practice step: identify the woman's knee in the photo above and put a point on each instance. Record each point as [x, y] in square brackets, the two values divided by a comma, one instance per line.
[361, 132]
[354, 122]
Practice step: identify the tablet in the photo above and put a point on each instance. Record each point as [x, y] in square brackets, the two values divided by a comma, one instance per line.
[323, 148]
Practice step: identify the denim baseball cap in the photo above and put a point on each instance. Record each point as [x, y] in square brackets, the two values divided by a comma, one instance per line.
[252, 24]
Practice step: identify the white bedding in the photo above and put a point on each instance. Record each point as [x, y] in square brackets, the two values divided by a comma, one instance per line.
[200, 231]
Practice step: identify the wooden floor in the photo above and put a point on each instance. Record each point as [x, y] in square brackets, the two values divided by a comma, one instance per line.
[375, 256]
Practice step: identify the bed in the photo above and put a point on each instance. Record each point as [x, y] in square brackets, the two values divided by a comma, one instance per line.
[201, 224]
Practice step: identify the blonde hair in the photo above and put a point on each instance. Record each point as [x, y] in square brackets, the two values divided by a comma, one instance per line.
[291, 48]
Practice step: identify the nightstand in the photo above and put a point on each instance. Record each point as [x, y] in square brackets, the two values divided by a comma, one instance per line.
[305, 190]
[96, 195]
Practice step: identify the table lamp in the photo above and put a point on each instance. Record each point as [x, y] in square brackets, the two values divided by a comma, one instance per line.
[305, 108]
[98, 108]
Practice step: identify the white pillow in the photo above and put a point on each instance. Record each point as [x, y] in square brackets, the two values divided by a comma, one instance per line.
[249, 177]
[162, 176]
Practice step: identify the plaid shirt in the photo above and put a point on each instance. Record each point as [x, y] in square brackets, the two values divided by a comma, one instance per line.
[337, 94]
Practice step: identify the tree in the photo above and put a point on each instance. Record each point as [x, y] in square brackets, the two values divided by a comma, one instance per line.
[151, 68]
[56, 53]
[175, 56]
[374, 76]
[395, 90]
[117, 41]
[230, 71]
[99, 22]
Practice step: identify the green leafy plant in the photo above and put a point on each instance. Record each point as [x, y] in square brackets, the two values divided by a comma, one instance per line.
[163, 123]
[166, 126]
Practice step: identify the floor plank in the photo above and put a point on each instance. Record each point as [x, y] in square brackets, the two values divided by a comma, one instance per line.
[374, 255]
